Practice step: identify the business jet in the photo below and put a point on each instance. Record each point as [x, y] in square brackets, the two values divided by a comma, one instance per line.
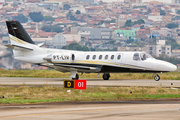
[75, 62]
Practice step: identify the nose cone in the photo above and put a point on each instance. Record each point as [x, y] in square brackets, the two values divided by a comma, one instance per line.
[173, 67]
[166, 66]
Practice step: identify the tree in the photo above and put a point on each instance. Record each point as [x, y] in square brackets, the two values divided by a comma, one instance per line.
[66, 7]
[78, 12]
[53, 28]
[73, 18]
[21, 18]
[178, 12]
[172, 25]
[140, 21]
[173, 43]
[128, 23]
[48, 18]
[36, 16]
[162, 12]
[75, 46]
[69, 14]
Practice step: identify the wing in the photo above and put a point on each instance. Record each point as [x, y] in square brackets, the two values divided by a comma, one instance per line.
[70, 67]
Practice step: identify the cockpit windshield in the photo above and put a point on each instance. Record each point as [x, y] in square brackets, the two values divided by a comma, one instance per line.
[144, 56]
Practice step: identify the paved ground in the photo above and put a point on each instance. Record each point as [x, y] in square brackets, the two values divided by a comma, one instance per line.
[90, 82]
[119, 110]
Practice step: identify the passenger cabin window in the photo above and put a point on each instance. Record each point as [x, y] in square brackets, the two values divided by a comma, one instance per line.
[119, 57]
[100, 57]
[87, 57]
[112, 57]
[136, 57]
[94, 57]
[106, 57]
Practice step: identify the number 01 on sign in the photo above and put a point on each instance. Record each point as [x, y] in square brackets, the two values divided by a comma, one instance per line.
[80, 84]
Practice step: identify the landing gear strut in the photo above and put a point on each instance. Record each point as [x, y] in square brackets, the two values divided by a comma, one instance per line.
[156, 77]
[76, 77]
[106, 76]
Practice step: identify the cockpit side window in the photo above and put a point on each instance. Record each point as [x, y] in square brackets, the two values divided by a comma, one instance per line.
[136, 57]
[143, 56]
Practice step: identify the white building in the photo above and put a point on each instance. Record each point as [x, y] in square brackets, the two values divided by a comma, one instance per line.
[155, 18]
[164, 1]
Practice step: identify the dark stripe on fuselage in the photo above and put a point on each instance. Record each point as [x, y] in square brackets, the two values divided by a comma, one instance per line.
[116, 69]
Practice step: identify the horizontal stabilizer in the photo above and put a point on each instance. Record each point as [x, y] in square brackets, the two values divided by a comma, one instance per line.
[18, 47]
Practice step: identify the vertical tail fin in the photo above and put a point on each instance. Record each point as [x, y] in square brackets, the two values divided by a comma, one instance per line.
[16, 30]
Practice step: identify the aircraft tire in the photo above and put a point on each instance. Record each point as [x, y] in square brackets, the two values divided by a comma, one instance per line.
[76, 78]
[156, 77]
[106, 76]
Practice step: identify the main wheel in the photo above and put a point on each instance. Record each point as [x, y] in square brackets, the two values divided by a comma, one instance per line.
[76, 78]
[156, 77]
[106, 76]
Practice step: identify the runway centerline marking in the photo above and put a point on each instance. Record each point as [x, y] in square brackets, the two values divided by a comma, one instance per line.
[81, 111]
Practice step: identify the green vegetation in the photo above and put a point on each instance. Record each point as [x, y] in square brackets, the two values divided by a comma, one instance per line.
[56, 74]
[162, 12]
[48, 93]
[172, 25]
[71, 16]
[66, 7]
[36, 16]
[75, 46]
[21, 18]
[52, 28]
[129, 23]
[108, 21]
[48, 18]
[78, 12]
[178, 12]
[173, 43]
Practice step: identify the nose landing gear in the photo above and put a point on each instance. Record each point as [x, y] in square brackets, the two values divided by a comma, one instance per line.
[76, 77]
[106, 76]
[156, 77]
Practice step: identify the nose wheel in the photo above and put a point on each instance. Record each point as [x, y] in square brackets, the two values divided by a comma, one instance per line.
[156, 77]
[106, 76]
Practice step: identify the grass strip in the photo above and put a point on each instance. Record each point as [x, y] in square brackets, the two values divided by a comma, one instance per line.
[25, 94]
[57, 74]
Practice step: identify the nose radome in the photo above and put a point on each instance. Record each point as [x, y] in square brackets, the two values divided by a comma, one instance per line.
[173, 67]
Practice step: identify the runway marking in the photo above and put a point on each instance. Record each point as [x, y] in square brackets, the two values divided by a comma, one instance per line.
[81, 111]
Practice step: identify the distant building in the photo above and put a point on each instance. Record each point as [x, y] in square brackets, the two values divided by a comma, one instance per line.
[85, 1]
[93, 33]
[131, 49]
[120, 22]
[157, 50]
[129, 34]
[155, 18]
[59, 41]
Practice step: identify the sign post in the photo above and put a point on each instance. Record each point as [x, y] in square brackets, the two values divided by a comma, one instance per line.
[80, 84]
[69, 84]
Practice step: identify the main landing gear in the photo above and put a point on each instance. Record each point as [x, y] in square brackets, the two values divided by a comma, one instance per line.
[106, 76]
[156, 77]
[76, 77]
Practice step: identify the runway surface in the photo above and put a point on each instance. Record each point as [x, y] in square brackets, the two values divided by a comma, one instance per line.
[119, 110]
[90, 82]
[116, 110]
